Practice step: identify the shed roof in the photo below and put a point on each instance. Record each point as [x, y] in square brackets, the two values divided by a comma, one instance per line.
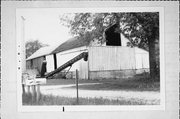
[41, 52]
[72, 43]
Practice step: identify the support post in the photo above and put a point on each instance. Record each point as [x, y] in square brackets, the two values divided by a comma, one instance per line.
[33, 92]
[55, 61]
[77, 86]
[28, 89]
[23, 88]
[37, 92]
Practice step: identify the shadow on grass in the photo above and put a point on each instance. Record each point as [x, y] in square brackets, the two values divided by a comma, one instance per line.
[57, 100]
[131, 84]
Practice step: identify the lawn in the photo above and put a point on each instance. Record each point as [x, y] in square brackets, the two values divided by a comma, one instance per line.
[58, 100]
[67, 81]
[130, 84]
[127, 85]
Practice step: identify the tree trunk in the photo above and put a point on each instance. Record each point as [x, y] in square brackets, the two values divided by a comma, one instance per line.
[153, 59]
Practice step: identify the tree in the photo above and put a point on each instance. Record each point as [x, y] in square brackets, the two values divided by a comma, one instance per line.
[32, 46]
[142, 30]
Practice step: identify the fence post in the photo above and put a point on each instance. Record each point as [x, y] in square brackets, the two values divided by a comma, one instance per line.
[38, 92]
[77, 86]
[33, 92]
[23, 88]
[28, 89]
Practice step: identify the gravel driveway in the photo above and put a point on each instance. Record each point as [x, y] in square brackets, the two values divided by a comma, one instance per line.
[62, 90]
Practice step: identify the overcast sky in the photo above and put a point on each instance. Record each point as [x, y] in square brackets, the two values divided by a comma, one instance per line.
[44, 25]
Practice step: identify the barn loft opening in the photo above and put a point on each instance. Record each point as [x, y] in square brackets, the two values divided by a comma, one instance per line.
[113, 37]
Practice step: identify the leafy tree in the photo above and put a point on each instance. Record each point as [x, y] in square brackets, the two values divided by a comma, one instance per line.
[142, 30]
[32, 46]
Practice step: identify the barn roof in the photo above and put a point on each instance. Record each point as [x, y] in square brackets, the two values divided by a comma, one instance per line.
[41, 52]
[72, 43]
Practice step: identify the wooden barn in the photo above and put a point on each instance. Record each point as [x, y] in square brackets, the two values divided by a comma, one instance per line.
[111, 59]
[36, 59]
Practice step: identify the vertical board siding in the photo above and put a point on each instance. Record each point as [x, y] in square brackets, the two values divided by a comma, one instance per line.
[37, 63]
[83, 69]
[50, 63]
[28, 64]
[139, 61]
[80, 65]
[63, 58]
[145, 60]
[117, 58]
[111, 58]
[142, 58]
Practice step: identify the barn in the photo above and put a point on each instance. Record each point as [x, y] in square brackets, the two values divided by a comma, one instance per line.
[94, 60]
[57, 56]
[111, 59]
[35, 60]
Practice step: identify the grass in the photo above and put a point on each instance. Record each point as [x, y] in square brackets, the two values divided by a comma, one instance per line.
[57, 100]
[126, 85]
[137, 83]
[67, 81]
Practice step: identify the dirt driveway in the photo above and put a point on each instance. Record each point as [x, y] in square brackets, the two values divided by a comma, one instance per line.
[63, 90]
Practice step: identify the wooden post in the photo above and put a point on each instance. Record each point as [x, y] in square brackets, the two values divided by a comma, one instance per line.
[37, 92]
[55, 61]
[28, 89]
[77, 86]
[33, 92]
[23, 88]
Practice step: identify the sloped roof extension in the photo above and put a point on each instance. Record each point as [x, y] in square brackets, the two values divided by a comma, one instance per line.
[72, 43]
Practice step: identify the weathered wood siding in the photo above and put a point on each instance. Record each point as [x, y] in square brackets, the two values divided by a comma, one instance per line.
[111, 58]
[37, 62]
[28, 64]
[63, 58]
[34, 64]
[80, 65]
[50, 63]
[142, 58]
[83, 69]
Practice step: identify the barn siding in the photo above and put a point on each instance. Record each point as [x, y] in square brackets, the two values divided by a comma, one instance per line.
[63, 58]
[142, 58]
[80, 65]
[83, 69]
[124, 40]
[50, 63]
[117, 62]
[111, 58]
[36, 63]
[112, 74]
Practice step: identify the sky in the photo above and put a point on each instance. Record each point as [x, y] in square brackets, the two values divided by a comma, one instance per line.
[44, 25]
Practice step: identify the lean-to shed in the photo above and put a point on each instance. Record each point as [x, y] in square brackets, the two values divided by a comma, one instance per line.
[36, 59]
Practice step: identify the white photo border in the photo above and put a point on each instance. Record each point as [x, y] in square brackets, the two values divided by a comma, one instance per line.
[22, 108]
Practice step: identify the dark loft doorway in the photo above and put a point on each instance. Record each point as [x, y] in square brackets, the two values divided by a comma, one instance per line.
[113, 38]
